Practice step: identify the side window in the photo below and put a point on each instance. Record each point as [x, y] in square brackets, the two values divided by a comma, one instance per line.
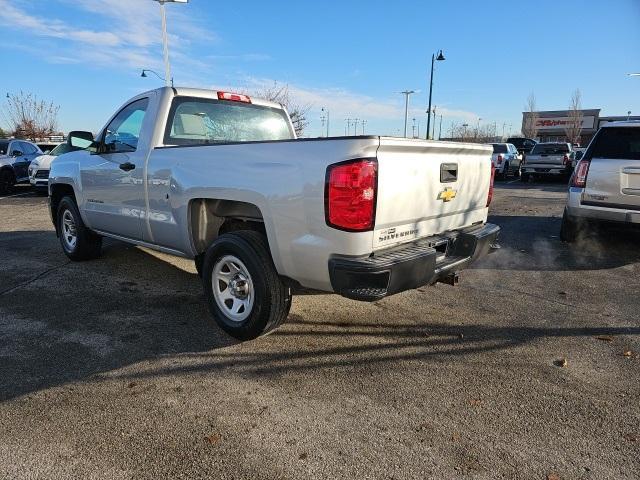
[122, 134]
[28, 148]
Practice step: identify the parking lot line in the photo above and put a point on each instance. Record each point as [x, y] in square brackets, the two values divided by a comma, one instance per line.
[513, 181]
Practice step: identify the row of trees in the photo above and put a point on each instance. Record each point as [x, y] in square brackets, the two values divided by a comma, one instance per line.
[28, 117]
[573, 127]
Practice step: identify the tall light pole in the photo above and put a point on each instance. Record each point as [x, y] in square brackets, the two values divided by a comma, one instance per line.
[440, 58]
[440, 131]
[433, 132]
[165, 40]
[328, 118]
[355, 126]
[628, 114]
[348, 131]
[144, 75]
[363, 124]
[406, 94]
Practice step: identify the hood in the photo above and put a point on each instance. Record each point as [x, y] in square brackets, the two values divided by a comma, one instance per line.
[43, 161]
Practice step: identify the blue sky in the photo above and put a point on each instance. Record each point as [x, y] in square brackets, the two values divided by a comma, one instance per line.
[349, 56]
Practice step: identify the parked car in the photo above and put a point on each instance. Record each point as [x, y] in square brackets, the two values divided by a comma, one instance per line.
[15, 157]
[221, 178]
[605, 186]
[547, 159]
[39, 168]
[523, 144]
[505, 159]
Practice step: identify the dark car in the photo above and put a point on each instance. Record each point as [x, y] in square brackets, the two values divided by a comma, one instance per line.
[523, 144]
[15, 157]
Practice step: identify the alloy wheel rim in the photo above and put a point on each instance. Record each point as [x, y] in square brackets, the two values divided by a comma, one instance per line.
[232, 287]
[69, 231]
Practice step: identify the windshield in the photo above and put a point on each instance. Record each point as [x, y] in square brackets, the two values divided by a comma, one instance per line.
[499, 148]
[550, 149]
[3, 147]
[199, 121]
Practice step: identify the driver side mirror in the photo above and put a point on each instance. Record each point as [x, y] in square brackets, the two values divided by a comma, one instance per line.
[16, 153]
[80, 139]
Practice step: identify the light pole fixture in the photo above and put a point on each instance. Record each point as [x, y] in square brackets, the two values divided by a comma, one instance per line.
[165, 41]
[633, 74]
[406, 94]
[144, 75]
[439, 58]
[327, 112]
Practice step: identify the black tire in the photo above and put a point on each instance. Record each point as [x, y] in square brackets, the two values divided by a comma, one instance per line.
[571, 228]
[505, 171]
[199, 262]
[524, 177]
[87, 244]
[271, 298]
[7, 181]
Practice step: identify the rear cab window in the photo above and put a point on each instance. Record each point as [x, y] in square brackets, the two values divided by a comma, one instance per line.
[621, 143]
[550, 149]
[500, 148]
[202, 121]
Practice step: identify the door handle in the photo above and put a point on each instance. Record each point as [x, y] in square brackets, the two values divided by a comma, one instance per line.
[126, 166]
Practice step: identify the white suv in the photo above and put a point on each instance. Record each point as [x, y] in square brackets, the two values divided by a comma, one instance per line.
[605, 185]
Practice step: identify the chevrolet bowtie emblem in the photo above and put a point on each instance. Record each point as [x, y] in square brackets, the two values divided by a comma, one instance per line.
[447, 194]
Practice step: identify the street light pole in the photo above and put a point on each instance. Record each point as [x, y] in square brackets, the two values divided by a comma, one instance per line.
[440, 57]
[165, 40]
[440, 131]
[327, 112]
[406, 94]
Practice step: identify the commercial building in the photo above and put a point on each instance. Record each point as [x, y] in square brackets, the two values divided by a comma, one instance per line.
[552, 124]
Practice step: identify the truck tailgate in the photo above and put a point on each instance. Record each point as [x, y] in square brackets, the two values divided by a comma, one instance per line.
[427, 188]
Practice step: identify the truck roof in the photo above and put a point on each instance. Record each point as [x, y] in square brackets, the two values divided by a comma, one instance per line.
[213, 94]
[622, 123]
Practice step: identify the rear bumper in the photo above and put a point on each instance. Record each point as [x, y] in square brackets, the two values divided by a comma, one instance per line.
[600, 211]
[410, 266]
[546, 169]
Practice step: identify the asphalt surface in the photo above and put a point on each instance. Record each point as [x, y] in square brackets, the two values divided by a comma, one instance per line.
[113, 369]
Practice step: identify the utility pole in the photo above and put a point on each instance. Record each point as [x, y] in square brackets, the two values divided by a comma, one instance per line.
[406, 94]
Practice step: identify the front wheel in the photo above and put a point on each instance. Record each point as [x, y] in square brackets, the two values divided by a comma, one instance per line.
[78, 242]
[7, 181]
[244, 292]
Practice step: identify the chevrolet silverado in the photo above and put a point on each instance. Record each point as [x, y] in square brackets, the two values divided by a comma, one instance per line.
[221, 178]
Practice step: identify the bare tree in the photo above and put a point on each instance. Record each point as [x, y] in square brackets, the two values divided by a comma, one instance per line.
[530, 127]
[30, 118]
[573, 128]
[280, 94]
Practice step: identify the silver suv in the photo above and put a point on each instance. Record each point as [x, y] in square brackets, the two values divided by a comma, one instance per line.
[605, 185]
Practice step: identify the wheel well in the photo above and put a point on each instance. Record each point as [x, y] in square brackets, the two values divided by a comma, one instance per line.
[58, 192]
[211, 218]
[8, 169]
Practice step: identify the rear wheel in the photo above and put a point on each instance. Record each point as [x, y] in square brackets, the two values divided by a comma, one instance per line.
[78, 242]
[7, 181]
[244, 292]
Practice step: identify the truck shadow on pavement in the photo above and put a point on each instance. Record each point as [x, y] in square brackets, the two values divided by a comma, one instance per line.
[533, 243]
[63, 322]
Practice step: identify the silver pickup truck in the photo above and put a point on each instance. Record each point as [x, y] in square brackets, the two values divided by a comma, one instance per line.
[221, 178]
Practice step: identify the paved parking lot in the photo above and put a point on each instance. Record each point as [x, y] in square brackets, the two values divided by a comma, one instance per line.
[113, 369]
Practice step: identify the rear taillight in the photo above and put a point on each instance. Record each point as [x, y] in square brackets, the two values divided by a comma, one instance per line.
[499, 159]
[493, 177]
[234, 97]
[565, 159]
[579, 178]
[350, 195]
